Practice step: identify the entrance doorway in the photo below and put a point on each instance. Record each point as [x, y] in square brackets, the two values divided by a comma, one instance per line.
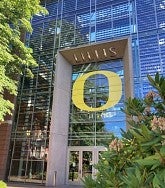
[81, 161]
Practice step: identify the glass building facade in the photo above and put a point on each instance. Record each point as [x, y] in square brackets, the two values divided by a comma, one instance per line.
[94, 128]
[71, 23]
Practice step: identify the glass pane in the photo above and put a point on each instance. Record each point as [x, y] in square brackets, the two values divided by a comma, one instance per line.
[28, 171]
[87, 163]
[36, 171]
[18, 170]
[73, 166]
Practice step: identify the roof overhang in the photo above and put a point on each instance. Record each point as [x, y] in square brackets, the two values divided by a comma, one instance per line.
[95, 52]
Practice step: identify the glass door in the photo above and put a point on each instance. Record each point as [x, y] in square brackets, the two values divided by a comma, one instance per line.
[80, 163]
[86, 163]
[74, 159]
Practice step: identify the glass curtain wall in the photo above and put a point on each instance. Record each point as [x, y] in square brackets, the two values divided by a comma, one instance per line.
[30, 134]
[69, 23]
[151, 36]
[72, 23]
[95, 128]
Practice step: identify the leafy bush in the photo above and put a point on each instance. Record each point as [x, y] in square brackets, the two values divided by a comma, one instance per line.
[138, 158]
[3, 185]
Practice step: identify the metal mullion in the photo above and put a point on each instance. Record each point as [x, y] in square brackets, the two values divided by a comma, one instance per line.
[60, 25]
[55, 35]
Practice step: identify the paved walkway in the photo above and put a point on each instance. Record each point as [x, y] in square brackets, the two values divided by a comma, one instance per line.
[24, 185]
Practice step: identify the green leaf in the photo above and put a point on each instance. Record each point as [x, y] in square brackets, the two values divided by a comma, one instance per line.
[162, 150]
[149, 161]
[156, 182]
[139, 137]
[151, 80]
[155, 166]
[152, 142]
[159, 180]
[26, 24]
[163, 86]
[146, 132]
[157, 78]
[3, 185]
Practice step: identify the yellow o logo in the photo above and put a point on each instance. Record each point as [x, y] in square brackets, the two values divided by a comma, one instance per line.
[115, 91]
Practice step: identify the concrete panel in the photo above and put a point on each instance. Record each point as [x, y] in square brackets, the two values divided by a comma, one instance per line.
[57, 155]
[128, 74]
[57, 160]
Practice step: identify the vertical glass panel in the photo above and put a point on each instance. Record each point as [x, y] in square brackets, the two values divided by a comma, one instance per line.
[28, 171]
[21, 149]
[146, 15]
[149, 54]
[35, 171]
[68, 6]
[18, 170]
[51, 7]
[86, 163]
[74, 166]
[83, 4]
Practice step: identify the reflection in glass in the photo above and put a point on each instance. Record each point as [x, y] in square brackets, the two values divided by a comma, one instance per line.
[95, 128]
[29, 158]
[74, 166]
[86, 163]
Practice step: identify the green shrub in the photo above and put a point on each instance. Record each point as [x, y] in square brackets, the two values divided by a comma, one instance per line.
[137, 160]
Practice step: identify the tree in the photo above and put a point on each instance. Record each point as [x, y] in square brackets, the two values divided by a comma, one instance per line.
[138, 158]
[15, 57]
[3, 185]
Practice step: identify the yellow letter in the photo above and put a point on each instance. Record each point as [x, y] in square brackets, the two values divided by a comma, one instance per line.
[115, 91]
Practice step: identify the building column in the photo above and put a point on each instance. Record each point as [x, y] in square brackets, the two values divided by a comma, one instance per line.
[58, 142]
[128, 69]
